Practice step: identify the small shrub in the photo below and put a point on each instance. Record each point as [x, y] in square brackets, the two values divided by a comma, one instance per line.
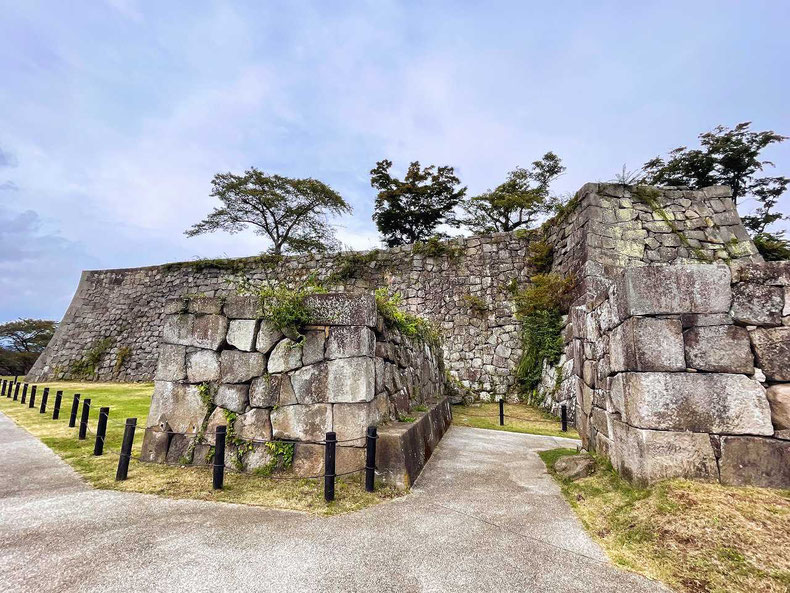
[86, 366]
[124, 353]
[282, 458]
[541, 256]
[435, 247]
[351, 265]
[548, 292]
[772, 248]
[284, 307]
[476, 303]
[409, 325]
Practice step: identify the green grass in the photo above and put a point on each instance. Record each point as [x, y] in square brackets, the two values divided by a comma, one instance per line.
[694, 536]
[523, 418]
[133, 401]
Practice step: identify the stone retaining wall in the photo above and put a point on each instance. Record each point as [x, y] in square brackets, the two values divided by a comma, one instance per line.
[221, 364]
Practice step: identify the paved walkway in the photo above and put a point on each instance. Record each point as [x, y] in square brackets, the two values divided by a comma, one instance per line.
[484, 516]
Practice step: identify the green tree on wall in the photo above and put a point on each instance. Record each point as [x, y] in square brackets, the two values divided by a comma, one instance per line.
[292, 213]
[516, 203]
[731, 156]
[21, 343]
[411, 209]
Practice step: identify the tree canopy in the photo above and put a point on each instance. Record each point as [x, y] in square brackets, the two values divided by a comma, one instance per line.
[411, 209]
[517, 202]
[292, 213]
[21, 342]
[731, 156]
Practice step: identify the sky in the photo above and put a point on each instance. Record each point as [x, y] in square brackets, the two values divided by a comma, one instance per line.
[115, 115]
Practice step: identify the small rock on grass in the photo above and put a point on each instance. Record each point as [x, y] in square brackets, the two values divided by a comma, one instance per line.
[573, 467]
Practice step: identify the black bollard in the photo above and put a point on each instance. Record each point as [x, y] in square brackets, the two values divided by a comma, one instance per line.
[86, 409]
[5, 383]
[44, 398]
[329, 467]
[564, 417]
[126, 449]
[370, 459]
[56, 409]
[101, 431]
[32, 402]
[16, 391]
[24, 392]
[75, 405]
[501, 412]
[219, 458]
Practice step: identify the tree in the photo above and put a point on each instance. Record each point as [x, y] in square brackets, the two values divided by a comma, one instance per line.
[291, 212]
[410, 210]
[516, 203]
[731, 157]
[21, 343]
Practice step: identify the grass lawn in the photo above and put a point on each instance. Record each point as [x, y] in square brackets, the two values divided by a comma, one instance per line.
[519, 418]
[132, 401]
[694, 536]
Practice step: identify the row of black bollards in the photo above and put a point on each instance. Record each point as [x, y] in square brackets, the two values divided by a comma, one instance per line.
[563, 415]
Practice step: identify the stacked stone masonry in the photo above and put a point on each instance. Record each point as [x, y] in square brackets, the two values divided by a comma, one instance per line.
[221, 364]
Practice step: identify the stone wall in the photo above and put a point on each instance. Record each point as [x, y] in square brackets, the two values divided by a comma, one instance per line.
[684, 371]
[221, 364]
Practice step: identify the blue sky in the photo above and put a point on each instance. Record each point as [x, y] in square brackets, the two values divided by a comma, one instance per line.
[115, 115]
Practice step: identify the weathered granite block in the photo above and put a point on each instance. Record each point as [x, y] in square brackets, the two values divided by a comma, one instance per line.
[179, 448]
[241, 367]
[719, 403]
[313, 347]
[779, 400]
[254, 424]
[178, 405]
[351, 380]
[646, 456]
[171, 365]
[719, 349]
[351, 421]
[265, 391]
[232, 397]
[202, 366]
[217, 418]
[757, 304]
[310, 384]
[178, 329]
[657, 290]
[241, 307]
[205, 305]
[242, 334]
[775, 273]
[754, 461]
[334, 309]
[286, 356]
[304, 423]
[259, 457]
[268, 336]
[772, 350]
[647, 344]
[349, 341]
[156, 440]
[208, 331]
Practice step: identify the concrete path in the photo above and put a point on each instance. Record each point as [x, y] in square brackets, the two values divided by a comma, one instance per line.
[484, 516]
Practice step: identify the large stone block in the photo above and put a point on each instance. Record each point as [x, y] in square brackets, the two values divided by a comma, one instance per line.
[772, 349]
[647, 344]
[302, 423]
[205, 305]
[268, 336]
[232, 397]
[659, 290]
[696, 402]
[342, 309]
[286, 356]
[178, 329]
[178, 405]
[754, 461]
[313, 347]
[156, 440]
[349, 341]
[351, 421]
[310, 384]
[719, 349]
[202, 366]
[254, 424]
[240, 367]
[646, 456]
[242, 307]
[265, 391]
[779, 400]
[171, 364]
[218, 418]
[179, 449]
[757, 304]
[776, 273]
[242, 334]
[351, 380]
[209, 331]
[258, 457]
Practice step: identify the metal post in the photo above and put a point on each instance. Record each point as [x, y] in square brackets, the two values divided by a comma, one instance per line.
[5, 383]
[564, 417]
[370, 459]
[101, 431]
[16, 391]
[126, 449]
[75, 404]
[16, 378]
[24, 392]
[86, 409]
[219, 457]
[32, 403]
[329, 467]
[56, 409]
[44, 398]
[501, 412]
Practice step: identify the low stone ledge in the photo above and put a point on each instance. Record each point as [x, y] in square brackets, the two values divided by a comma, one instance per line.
[404, 448]
[755, 461]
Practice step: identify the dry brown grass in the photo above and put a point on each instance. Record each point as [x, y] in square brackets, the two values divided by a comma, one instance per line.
[696, 537]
